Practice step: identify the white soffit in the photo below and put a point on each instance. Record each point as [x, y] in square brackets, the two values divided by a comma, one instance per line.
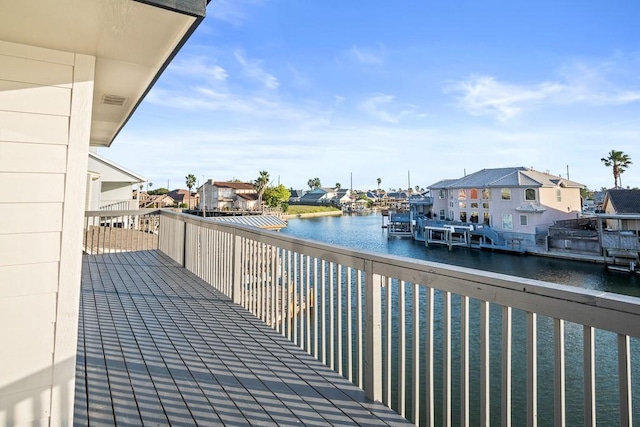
[130, 40]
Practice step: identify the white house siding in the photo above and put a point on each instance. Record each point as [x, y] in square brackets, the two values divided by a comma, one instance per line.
[569, 206]
[45, 110]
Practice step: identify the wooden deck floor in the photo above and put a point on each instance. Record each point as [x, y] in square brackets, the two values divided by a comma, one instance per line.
[158, 346]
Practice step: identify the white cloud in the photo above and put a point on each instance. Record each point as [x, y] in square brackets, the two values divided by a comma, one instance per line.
[374, 107]
[253, 69]
[234, 12]
[366, 56]
[198, 66]
[484, 95]
[579, 83]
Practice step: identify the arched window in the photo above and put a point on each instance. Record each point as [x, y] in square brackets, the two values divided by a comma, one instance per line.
[530, 194]
[473, 194]
[558, 195]
[505, 193]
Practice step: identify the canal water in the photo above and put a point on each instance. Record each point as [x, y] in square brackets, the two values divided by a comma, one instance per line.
[365, 232]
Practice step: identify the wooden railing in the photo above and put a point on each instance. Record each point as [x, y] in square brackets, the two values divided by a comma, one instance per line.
[119, 205]
[120, 231]
[440, 344]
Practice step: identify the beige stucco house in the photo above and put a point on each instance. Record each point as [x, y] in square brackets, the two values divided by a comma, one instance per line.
[71, 74]
[516, 201]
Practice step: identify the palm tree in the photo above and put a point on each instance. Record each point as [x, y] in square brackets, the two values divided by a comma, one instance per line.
[314, 183]
[619, 162]
[260, 184]
[191, 181]
[338, 186]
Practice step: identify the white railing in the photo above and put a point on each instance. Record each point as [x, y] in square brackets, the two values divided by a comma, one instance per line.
[119, 205]
[120, 231]
[492, 349]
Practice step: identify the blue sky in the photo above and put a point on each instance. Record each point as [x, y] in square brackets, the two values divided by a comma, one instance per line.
[334, 89]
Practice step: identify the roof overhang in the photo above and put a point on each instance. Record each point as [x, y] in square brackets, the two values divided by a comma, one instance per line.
[132, 40]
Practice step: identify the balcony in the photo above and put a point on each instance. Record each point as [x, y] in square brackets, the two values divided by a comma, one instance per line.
[239, 325]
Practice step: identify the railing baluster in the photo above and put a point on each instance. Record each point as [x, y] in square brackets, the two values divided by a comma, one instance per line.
[359, 320]
[323, 319]
[307, 304]
[388, 329]
[589, 374]
[559, 373]
[331, 318]
[429, 380]
[624, 381]
[316, 306]
[506, 366]
[446, 354]
[289, 301]
[338, 331]
[532, 370]
[401, 349]
[464, 361]
[373, 332]
[415, 315]
[349, 314]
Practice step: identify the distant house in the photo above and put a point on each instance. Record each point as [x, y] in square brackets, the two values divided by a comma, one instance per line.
[515, 201]
[343, 197]
[228, 195]
[156, 201]
[295, 195]
[319, 196]
[184, 197]
[109, 185]
[623, 202]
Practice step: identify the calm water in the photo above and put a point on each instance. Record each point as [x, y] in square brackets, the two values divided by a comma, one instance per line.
[365, 232]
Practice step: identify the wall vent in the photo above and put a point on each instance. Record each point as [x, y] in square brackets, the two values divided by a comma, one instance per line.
[116, 100]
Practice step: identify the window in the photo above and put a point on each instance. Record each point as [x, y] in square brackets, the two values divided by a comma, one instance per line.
[523, 220]
[442, 194]
[507, 222]
[451, 215]
[442, 214]
[530, 194]
[505, 193]
[473, 194]
[558, 195]
[462, 194]
[485, 205]
[474, 205]
[486, 193]
[487, 219]
[463, 216]
[474, 217]
[462, 205]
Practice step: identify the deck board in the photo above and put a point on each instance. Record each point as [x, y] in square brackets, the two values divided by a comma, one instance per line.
[158, 346]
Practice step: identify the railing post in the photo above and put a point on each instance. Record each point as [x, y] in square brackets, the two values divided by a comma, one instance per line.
[373, 334]
[184, 245]
[236, 279]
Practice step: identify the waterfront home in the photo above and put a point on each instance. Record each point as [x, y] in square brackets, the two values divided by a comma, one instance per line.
[109, 185]
[156, 201]
[319, 196]
[185, 198]
[71, 75]
[621, 203]
[226, 195]
[517, 202]
[295, 195]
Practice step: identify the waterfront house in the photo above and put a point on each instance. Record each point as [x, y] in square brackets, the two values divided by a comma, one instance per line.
[185, 198]
[225, 195]
[109, 185]
[621, 203]
[71, 75]
[156, 201]
[295, 195]
[517, 201]
[319, 196]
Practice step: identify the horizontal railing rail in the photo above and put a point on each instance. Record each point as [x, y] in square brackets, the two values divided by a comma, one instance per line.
[120, 231]
[439, 344]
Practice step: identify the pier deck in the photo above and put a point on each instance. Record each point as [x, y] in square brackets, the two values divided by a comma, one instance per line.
[158, 346]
